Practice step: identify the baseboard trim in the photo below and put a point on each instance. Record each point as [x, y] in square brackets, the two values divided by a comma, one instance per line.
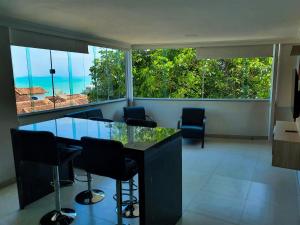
[238, 136]
[7, 182]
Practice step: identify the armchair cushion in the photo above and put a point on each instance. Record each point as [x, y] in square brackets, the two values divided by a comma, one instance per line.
[193, 123]
[193, 116]
[190, 131]
[143, 123]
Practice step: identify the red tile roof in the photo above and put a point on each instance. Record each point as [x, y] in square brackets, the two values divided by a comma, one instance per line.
[32, 91]
[47, 103]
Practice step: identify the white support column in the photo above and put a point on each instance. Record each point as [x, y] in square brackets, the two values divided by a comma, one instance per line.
[273, 91]
[8, 111]
[129, 77]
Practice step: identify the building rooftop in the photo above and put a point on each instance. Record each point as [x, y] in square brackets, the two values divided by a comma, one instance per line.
[30, 91]
[27, 105]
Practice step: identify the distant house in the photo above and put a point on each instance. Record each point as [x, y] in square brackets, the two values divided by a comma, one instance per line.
[24, 97]
[35, 93]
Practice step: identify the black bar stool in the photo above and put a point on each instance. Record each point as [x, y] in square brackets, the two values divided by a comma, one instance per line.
[131, 209]
[41, 147]
[90, 196]
[107, 158]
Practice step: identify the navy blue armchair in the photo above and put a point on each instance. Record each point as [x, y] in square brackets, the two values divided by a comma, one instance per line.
[136, 116]
[192, 123]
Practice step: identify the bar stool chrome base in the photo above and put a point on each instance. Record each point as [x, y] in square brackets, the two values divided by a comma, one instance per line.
[63, 217]
[90, 197]
[131, 211]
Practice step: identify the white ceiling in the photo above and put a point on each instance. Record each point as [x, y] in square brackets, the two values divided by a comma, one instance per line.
[142, 22]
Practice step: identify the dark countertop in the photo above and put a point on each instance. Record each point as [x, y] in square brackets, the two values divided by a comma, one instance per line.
[138, 138]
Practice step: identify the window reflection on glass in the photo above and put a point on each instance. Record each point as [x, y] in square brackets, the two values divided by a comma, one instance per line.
[38, 63]
[33, 83]
[117, 71]
[108, 74]
[78, 79]
[21, 78]
[61, 78]
[88, 61]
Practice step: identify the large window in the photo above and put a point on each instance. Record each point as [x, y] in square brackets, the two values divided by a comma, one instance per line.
[78, 78]
[177, 73]
[108, 74]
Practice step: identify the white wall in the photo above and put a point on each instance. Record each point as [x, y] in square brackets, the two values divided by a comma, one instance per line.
[287, 64]
[224, 117]
[8, 117]
[110, 109]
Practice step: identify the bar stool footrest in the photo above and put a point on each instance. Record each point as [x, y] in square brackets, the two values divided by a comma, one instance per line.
[90, 197]
[127, 202]
[64, 217]
[131, 211]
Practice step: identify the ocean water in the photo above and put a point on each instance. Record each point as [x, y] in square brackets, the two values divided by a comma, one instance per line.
[61, 84]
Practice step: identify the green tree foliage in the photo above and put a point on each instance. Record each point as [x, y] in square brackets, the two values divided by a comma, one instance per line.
[248, 78]
[108, 76]
[177, 73]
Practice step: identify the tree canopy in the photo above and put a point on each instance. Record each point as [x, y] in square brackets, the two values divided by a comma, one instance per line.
[108, 76]
[177, 73]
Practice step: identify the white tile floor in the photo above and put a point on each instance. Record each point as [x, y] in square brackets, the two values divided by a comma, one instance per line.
[228, 182]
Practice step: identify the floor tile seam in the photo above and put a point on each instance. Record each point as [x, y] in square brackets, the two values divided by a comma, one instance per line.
[244, 205]
[188, 205]
[211, 216]
[209, 176]
[243, 178]
[102, 218]
[238, 179]
[268, 183]
[255, 166]
[214, 173]
[266, 201]
[224, 196]
[228, 197]
[214, 170]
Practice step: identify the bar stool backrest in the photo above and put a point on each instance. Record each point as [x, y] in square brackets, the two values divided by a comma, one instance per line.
[134, 112]
[35, 146]
[103, 157]
[86, 114]
[94, 113]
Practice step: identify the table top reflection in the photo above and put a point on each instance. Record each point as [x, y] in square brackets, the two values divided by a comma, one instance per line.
[139, 138]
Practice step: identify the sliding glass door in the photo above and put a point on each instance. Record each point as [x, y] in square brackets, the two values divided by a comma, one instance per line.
[40, 79]
[61, 77]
